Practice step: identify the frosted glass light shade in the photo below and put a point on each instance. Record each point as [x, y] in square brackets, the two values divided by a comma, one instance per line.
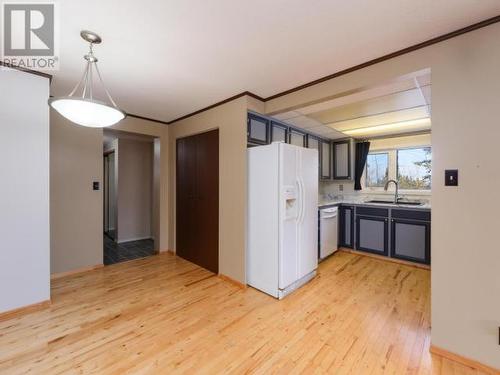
[86, 112]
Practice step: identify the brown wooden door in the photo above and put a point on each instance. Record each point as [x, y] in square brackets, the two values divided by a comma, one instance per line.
[197, 202]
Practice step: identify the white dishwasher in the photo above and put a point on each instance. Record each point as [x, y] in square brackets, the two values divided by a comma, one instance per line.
[328, 231]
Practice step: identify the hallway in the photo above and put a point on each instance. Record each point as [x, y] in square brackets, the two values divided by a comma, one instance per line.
[120, 252]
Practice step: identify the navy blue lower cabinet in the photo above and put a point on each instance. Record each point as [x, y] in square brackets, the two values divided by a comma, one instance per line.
[372, 234]
[346, 226]
[411, 240]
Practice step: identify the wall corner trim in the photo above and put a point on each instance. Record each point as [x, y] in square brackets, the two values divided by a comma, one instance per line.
[463, 360]
[232, 281]
[20, 311]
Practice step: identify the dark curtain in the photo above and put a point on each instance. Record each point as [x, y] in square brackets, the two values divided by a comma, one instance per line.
[362, 149]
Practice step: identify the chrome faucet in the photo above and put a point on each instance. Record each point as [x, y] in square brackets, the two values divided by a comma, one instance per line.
[396, 195]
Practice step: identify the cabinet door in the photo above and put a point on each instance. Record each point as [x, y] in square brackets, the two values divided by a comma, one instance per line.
[372, 234]
[257, 129]
[297, 138]
[346, 226]
[312, 142]
[326, 158]
[411, 240]
[279, 132]
[342, 160]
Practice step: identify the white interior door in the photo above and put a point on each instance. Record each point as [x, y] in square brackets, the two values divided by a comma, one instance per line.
[290, 204]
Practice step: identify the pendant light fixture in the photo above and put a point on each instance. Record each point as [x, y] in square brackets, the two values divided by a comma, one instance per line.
[84, 109]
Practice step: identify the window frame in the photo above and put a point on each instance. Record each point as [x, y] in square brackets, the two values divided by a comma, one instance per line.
[393, 172]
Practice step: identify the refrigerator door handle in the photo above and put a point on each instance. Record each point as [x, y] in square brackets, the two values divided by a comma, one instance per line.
[301, 200]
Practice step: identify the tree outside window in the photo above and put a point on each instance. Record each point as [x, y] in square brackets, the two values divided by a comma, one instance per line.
[377, 169]
[414, 168]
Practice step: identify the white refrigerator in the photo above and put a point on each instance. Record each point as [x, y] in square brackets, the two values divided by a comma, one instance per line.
[282, 223]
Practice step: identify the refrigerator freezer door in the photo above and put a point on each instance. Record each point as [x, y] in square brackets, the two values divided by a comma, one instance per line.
[308, 220]
[289, 211]
[263, 219]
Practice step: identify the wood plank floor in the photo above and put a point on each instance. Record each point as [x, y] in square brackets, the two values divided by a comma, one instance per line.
[165, 315]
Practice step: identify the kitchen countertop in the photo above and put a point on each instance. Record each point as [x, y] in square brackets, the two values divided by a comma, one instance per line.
[362, 201]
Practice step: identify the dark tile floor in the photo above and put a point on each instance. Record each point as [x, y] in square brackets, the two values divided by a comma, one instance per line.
[114, 252]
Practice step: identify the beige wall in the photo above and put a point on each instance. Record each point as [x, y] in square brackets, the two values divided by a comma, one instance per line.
[135, 188]
[465, 133]
[230, 119]
[76, 211]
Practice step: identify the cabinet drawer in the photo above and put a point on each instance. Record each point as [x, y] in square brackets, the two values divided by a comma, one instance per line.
[372, 211]
[411, 215]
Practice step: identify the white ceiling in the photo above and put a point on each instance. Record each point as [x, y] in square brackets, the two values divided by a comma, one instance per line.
[402, 105]
[164, 59]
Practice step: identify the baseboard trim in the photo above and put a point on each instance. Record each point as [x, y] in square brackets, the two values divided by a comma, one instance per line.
[24, 310]
[232, 281]
[168, 251]
[463, 360]
[134, 239]
[55, 276]
[386, 259]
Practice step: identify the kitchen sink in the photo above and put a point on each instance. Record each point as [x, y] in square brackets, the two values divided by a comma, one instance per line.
[407, 203]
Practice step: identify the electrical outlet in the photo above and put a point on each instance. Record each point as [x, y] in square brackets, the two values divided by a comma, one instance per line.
[341, 187]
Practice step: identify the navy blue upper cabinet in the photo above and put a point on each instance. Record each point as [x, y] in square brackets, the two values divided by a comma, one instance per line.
[325, 160]
[258, 131]
[297, 138]
[313, 142]
[342, 160]
[279, 132]
[262, 130]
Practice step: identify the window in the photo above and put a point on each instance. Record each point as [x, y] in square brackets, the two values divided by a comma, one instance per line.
[414, 168]
[377, 169]
[410, 166]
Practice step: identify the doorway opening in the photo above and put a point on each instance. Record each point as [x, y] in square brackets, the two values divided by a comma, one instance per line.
[130, 165]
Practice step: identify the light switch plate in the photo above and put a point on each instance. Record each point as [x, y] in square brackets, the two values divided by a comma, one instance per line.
[451, 177]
